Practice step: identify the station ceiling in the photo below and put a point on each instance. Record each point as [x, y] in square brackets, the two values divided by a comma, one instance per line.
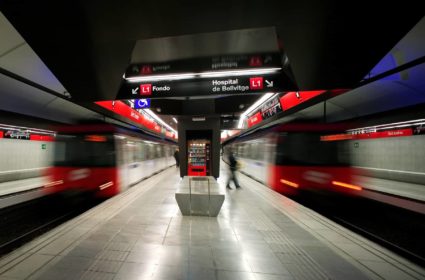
[89, 44]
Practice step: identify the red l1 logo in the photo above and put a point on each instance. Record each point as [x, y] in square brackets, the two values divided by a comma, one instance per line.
[146, 69]
[146, 89]
[256, 83]
[255, 61]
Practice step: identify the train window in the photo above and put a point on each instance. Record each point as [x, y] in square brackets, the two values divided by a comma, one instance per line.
[251, 151]
[74, 150]
[139, 151]
[151, 154]
[131, 149]
[307, 149]
[144, 151]
[243, 150]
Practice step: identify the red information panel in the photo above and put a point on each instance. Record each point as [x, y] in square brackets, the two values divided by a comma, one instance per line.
[157, 127]
[1, 134]
[45, 138]
[370, 135]
[124, 110]
[385, 134]
[169, 134]
[146, 69]
[294, 98]
[255, 119]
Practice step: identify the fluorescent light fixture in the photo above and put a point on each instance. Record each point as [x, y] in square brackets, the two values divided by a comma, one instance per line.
[174, 119]
[241, 72]
[253, 107]
[165, 77]
[208, 74]
[153, 115]
[198, 119]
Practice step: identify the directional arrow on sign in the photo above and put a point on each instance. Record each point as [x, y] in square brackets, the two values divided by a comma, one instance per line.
[269, 84]
[134, 90]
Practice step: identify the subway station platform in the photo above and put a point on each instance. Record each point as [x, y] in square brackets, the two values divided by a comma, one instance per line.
[259, 234]
[18, 191]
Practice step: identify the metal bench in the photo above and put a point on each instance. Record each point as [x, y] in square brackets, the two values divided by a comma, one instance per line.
[199, 196]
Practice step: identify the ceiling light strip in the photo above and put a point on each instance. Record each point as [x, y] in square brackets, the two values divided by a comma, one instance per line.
[166, 77]
[241, 72]
[254, 106]
[208, 74]
[153, 115]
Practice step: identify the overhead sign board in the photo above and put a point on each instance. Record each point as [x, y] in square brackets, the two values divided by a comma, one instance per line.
[203, 86]
[142, 103]
[219, 75]
[224, 62]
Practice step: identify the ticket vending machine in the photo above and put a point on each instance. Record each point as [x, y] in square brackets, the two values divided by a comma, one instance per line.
[199, 157]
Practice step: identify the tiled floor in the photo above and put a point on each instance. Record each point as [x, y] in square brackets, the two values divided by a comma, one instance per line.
[258, 235]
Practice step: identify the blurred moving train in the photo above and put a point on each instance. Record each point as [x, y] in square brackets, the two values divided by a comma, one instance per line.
[104, 159]
[292, 157]
[386, 165]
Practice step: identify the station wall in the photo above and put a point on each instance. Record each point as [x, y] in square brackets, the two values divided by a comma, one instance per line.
[22, 159]
[394, 158]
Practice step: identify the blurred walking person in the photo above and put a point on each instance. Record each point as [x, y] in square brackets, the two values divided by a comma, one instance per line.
[233, 166]
[176, 157]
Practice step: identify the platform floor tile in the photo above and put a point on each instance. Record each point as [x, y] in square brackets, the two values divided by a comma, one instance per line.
[258, 235]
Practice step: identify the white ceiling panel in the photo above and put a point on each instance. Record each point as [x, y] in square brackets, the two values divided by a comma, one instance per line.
[10, 38]
[16, 56]
[21, 98]
[74, 111]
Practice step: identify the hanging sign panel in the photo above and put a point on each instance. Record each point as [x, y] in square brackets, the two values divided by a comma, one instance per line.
[203, 86]
[208, 76]
[205, 64]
